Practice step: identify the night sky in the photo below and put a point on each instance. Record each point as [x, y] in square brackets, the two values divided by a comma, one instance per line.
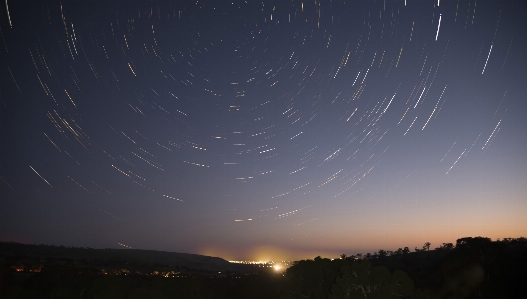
[274, 130]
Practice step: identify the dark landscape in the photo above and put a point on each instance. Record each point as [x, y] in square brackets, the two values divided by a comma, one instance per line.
[470, 268]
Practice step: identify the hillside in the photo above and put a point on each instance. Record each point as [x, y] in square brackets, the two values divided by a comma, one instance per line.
[129, 258]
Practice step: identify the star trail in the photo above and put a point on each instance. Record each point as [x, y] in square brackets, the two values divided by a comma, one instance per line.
[240, 128]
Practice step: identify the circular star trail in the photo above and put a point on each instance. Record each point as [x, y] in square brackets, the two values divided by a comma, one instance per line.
[262, 130]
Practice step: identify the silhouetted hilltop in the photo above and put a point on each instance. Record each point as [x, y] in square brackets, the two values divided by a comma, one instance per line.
[126, 258]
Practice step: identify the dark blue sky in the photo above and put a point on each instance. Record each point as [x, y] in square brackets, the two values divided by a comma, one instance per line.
[269, 130]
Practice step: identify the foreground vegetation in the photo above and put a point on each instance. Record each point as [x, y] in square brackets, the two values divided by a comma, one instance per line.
[471, 268]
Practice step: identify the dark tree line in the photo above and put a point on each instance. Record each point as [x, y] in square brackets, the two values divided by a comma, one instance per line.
[472, 268]
[384, 253]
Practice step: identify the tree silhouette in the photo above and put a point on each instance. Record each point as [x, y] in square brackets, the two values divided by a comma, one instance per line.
[426, 246]
[446, 246]
[311, 278]
[359, 255]
[472, 242]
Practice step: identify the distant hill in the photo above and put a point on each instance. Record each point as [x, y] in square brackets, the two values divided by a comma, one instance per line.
[127, 258]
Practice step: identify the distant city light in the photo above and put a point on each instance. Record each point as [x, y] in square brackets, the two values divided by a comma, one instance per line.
[277, 266]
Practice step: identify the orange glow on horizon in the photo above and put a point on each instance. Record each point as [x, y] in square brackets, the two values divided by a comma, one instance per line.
[274, 253]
